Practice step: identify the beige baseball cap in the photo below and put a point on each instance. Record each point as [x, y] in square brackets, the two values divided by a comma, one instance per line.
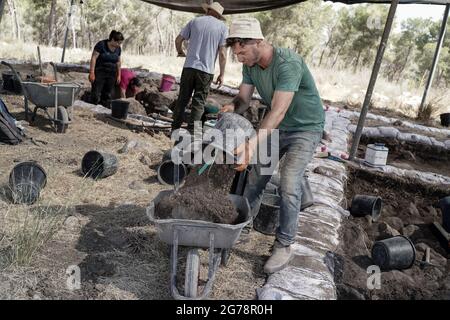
[217, 7]
[246, 28]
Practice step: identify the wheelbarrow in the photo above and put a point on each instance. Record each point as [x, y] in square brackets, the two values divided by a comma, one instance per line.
[58, 95]
[196, 234]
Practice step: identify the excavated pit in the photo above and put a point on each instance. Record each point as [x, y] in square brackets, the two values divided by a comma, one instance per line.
[409, 208]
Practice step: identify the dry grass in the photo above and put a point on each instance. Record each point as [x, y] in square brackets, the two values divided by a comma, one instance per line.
[100, 225]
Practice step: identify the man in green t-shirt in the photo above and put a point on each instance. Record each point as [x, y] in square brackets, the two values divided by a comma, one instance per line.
[295, 111]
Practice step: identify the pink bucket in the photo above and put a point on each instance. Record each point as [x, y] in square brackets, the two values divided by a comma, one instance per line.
[167, 83]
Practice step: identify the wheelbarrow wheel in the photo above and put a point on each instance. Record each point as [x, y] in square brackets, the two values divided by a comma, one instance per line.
[192, 272]
[63, 119]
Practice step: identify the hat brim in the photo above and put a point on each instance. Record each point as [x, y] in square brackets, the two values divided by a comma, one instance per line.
[206, 7]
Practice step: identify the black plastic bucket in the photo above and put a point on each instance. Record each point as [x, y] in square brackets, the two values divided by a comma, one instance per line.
[166, 174]
[10, 83]
[307, 196]
[97, 165]
[363, 205]
[268, 217]
[445, 119]
[444, 203]
[394, 253]
[119, 109]
[26, 181]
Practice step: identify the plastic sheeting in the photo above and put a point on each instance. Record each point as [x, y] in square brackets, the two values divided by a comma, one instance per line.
[393, 133]
[407, 124]
[239, 6]
[426, 177]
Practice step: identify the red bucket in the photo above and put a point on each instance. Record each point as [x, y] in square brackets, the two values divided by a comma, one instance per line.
[167, 83]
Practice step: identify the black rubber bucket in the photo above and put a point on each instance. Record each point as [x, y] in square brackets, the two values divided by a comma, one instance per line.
[26, 181]
[444, 203]
[166, 174]
[394, 253]
[10, 83]
[268, 217]
[98, 165]
[363, 205]
[445, 119]
[119, 109]
[307, 196]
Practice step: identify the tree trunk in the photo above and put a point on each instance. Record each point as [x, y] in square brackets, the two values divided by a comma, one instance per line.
[357, 62]
[404, 63]
[336, 57]
[2, 7]
[14, 19]
[161, 44]
[326, 45]
[82, 27]
[51, 24]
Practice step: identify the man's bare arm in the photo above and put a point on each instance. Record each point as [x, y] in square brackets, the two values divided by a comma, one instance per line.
[241, 102]
[179, 46]
[222, 64]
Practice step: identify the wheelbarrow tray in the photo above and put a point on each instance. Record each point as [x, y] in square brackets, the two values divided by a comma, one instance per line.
[197, 233]
[43, 95]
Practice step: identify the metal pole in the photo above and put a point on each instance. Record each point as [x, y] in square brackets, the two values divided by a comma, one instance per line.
[436, 57]
[373, 78]
[2, 6]
[67, 31]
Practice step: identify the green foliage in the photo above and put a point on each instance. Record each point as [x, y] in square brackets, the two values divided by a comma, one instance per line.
[347, 38]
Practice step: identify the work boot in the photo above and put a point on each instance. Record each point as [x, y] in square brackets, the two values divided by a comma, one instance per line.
[281, 255]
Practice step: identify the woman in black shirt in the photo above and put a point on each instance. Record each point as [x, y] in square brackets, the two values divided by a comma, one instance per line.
[104, 70]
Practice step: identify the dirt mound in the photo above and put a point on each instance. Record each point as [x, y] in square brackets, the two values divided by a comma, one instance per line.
[202, 197]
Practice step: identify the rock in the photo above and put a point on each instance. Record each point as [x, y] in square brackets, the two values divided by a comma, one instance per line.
[348, 293]
[432, 212]
[437, 259]
[409, 230]
[398, 276]
[136, 107]
[386, 231]
[137, 185]
[412, 209]
[137, 145]
[368, 219]
[72, 222]
[152, 100]
[421, 247]
[395, 222]
[397, 123]
[145, 160]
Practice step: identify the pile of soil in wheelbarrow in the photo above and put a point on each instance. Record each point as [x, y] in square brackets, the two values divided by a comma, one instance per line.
[409, 209]
[202, 197]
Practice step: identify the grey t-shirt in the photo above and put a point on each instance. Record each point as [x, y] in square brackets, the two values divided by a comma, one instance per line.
[205, 34]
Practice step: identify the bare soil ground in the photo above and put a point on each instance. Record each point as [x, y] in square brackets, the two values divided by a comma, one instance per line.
[101, 226]
[409, 209]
